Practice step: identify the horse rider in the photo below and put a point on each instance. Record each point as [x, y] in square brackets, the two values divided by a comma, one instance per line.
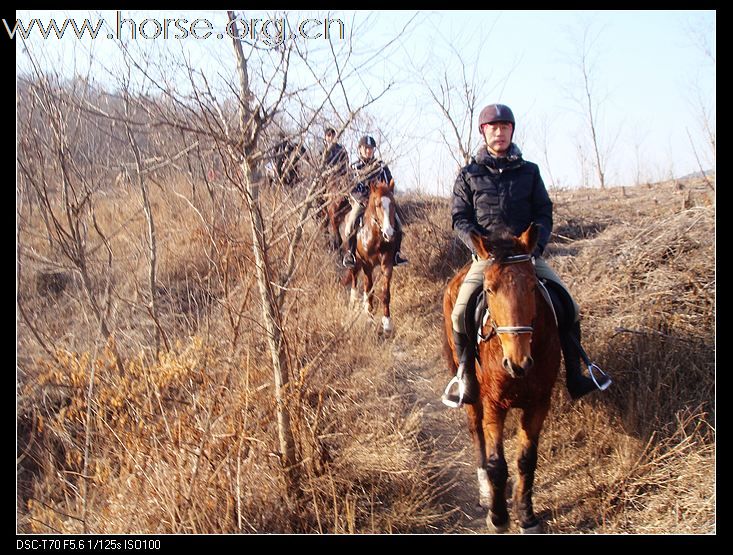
[286, 156]
[499, 187]
[334, 156]
[368, 170]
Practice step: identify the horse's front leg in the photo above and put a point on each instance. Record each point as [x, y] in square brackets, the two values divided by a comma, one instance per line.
[387, 325]
[333, 232]
[368, 298]
[475, 415]
[353, 277]
[529, 435]
[496, 468]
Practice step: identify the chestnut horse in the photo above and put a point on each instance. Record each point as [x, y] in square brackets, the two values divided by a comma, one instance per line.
[375, 246]
[518, 363]
[334, 210]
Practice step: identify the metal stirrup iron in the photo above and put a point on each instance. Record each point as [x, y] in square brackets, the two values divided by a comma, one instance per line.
[461, 390]
[605, 382]
[605, 379]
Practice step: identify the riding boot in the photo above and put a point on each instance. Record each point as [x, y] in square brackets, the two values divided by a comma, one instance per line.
[399, 260]
[578, 384]
[349, 259]
[466, 374]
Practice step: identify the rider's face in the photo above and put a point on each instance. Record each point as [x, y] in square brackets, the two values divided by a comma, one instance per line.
[498, 136]
[366, 152]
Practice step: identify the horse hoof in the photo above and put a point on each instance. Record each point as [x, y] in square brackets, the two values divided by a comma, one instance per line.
[387, 325]
[536, 529]
[496, 528]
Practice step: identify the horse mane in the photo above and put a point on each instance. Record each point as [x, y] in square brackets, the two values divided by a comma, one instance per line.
[382, 187]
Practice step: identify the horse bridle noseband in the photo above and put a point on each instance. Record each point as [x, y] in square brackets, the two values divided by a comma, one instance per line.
[509, 329]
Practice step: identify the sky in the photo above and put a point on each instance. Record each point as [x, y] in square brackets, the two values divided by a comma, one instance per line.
[650, 73]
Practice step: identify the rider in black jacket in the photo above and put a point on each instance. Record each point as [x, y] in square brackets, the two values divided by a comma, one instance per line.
[499, 188]
[334, 156]
[368, 169]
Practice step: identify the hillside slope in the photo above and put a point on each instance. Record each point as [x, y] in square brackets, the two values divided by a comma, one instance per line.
[186, 442]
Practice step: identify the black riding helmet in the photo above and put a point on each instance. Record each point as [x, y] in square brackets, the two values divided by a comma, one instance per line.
[366, 140]
[494, 113]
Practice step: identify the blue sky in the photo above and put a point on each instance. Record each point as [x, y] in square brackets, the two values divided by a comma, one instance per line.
[648, 69]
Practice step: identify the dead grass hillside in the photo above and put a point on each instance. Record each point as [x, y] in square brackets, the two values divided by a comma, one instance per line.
[186, 441]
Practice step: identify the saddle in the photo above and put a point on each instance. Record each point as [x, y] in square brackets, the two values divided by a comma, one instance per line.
[477, 309]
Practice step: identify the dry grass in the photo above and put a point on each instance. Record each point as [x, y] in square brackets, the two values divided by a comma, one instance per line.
[187, 442]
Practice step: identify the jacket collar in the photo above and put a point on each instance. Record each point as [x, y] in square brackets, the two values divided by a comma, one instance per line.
[512, 159]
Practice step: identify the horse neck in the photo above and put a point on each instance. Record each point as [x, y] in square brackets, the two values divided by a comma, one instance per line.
[370, 214]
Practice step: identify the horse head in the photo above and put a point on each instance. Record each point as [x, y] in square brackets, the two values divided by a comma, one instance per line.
[510, 284]
[382, 208]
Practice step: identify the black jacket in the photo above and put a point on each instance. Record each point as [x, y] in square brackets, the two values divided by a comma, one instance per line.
[366, 173]
[493, 191]
[335, 155]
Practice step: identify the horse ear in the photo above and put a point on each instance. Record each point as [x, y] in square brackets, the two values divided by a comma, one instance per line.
[480, 246]
[391, 185]
[529, 237]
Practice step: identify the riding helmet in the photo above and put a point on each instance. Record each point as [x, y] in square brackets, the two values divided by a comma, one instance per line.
[494, 113]
[366, 140]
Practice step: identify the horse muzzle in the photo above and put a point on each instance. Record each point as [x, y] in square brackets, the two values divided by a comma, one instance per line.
[517, 370]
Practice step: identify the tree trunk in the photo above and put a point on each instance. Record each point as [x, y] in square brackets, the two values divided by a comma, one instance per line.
[270, 309]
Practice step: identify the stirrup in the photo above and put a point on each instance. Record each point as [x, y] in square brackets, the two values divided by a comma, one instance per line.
[457, 379]
[461, 390]
[603, 381]
[400, 260]
[349, 260]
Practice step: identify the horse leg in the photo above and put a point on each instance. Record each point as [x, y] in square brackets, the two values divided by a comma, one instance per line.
[333, 232]
[354, 298]
[387, 325]
[529, 435]
[475, 414]
[368, 299]
[493, 424]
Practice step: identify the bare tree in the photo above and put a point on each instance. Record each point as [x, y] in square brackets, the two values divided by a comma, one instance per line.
[459, 89]
[65, 195]
[174, 133]
[701, 35]
[587, 98]
[544, 138]
[254, 119]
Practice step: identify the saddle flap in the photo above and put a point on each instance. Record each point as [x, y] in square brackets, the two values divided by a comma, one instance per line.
[548, 298]
[474, 314]
[560, 301]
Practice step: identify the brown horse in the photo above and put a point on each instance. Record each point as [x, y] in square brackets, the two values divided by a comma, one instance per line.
[519, 359]
[334, 210]
[375, 246]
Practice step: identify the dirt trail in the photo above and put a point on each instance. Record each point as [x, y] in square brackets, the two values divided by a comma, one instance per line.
[445, 429]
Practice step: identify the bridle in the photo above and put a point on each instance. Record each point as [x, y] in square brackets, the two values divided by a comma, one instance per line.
[516, 259]
[376, 222]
